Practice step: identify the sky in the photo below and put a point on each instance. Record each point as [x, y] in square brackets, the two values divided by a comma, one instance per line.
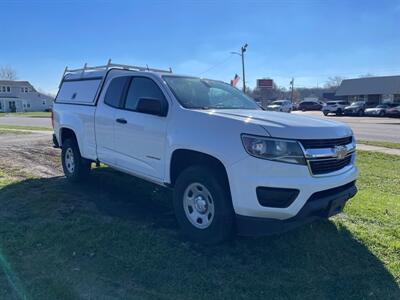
[310, 40]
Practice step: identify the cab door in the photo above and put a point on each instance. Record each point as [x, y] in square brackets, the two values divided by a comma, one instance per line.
[105, 119]
[140, 138]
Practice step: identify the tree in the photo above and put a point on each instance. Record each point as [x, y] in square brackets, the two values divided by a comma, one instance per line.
[8, 73]
[333, 82]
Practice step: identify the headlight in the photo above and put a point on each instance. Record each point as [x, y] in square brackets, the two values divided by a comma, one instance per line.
[274, 149]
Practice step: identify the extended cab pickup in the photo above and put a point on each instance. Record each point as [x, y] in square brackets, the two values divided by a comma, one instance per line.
[234, 168]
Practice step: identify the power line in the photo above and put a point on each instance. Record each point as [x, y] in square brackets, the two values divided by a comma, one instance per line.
[217, 64]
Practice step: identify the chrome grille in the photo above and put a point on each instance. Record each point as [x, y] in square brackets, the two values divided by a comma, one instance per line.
[328, 155]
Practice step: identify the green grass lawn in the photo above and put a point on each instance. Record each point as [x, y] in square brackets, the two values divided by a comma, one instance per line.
[115, 237]
[6, 131]
[17, 127]
[35, 114]
[380, 144]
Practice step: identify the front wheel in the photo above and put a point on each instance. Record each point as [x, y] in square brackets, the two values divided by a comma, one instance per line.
[75, 167]
[325, 113]
[339, 112]
[203, 206]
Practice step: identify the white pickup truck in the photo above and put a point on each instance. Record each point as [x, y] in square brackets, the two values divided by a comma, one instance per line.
[234, 168]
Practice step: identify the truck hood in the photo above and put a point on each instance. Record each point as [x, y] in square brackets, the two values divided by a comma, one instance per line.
[290, 126]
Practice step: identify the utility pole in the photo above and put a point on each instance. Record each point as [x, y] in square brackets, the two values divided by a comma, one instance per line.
[291, 94]
[242, 51]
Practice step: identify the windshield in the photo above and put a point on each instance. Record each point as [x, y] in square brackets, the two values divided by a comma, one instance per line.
[199, 93]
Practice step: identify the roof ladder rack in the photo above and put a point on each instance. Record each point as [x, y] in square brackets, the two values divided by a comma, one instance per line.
[108, 66]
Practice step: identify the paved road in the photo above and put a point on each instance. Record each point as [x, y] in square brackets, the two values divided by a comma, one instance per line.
[366, 128]
[26, 121]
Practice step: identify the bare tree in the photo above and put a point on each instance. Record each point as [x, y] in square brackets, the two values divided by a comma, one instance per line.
[333, 82]
[8, 73]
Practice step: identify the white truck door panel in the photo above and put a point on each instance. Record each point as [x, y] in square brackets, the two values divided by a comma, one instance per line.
[105, 119]
[140, 137]
[140, 142]
[105, 133]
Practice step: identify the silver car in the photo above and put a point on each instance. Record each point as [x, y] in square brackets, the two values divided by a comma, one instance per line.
[280, 105]
[378, 111]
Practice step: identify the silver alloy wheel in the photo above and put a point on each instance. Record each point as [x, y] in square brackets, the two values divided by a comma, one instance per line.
[69, 160]
[198, 205]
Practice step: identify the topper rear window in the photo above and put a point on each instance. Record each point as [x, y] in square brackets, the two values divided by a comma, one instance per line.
[79, 91]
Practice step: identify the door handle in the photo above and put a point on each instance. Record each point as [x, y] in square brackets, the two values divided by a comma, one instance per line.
[122, 121]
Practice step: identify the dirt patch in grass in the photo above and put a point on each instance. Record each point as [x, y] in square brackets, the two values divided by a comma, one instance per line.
[29, 154]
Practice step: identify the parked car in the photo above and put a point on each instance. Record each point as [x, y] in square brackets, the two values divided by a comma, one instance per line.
[356, 109]
[309, 105]
[232, 166]
[393, 112]
[380, 110]
[280, 105]
[334, 107]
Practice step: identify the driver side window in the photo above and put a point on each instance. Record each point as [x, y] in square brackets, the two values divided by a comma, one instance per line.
[142, 87]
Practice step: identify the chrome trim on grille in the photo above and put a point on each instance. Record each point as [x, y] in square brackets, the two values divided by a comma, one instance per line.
[339, 152]
[328, 152]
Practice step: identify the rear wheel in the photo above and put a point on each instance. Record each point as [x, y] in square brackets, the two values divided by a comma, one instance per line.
[325, 113]
[203, 206]
[75, 167]
[360, 113]
[382, 113]
[339, 112]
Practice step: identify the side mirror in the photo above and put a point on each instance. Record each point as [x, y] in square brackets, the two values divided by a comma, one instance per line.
[152, 106]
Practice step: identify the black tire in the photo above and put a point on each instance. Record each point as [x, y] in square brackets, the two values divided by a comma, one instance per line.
[360, 113]
[339, 112]
[382, 113]
[81, 167]
[325, 113]
[221, 227]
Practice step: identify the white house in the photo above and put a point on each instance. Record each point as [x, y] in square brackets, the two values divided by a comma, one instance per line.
[19, 96]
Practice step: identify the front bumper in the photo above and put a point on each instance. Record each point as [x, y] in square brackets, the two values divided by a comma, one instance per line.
[246, 175]
[320, 205]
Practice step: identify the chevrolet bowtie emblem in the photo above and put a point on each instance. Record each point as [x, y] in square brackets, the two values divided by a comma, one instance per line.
[340, 151]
